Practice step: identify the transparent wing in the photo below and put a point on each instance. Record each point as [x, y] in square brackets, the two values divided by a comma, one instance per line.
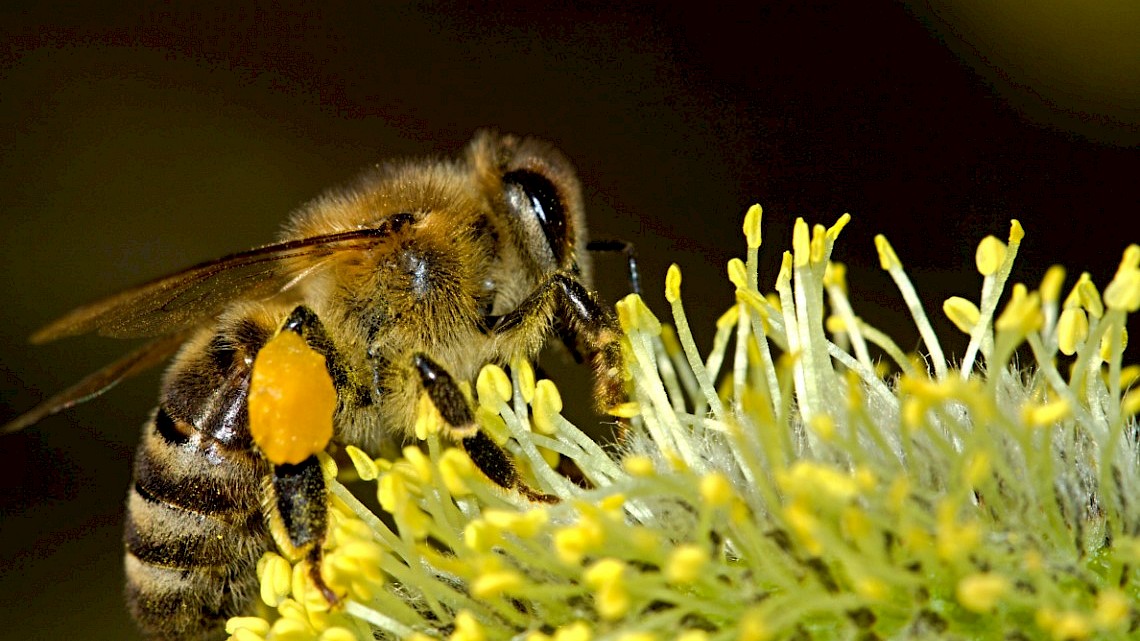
[100, 381]
[180, 301]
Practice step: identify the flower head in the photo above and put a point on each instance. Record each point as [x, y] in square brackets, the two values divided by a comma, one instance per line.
[783, 484]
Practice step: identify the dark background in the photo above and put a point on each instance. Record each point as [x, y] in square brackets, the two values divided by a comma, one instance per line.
[133, 144]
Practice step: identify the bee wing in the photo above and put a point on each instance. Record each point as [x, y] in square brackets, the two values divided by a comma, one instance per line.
[179, 301]
[98, 382]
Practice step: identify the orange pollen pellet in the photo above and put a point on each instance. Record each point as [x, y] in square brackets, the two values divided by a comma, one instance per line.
[291, 400]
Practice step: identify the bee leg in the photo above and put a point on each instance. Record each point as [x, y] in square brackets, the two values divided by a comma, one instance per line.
[626, 248]
[587, 329]
[300, 515]
[305, 323]
[484, 452]
[300, 496]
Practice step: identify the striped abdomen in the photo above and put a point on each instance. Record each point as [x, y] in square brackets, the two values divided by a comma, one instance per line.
[195, 527]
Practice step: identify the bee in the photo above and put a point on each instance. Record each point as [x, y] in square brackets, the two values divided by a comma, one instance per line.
[406, 281]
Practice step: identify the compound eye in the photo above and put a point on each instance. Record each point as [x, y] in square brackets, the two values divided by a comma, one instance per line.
[532, 195]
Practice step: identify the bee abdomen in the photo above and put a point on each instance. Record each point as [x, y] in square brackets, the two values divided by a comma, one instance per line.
[194, 531]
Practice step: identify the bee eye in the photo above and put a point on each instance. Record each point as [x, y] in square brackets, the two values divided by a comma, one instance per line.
[530, 193]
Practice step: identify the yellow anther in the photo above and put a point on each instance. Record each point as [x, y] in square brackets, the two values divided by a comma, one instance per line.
[493, 387]
[981, 592]
[754, 627]
[840, 223]
[1064, 626]
[752, 226]
[525, 374]
[1131, 258]
[245, 634]
[523, 524]
[1072, 330]
[495, 584]
[611, 601]
[823, 426]
[392, 492]
[275, 576]
[467, 628]
[1129, 375]
[809, 478]
[291, 400]
[989, 255]
[256, 625]
[835, 276]
[738, 273]
[865, 478]
[673, 284]
[547, 405]
[801, 243]
[1089, 296]
[572, 543]
[871, 588]
[365, 467]
[419, 462]
[337, 633]
[1124, 291]
[1046, 415]
[638, 465]
[293, 629]
[612, 504]
[1112, 607]
[898, 493]
[978, 467]
[1130, 404]
[963, 313]
[480, 536]
[753, 300]
[454, 468]
[1051, 284]
[913, 412]
[854, 522]
[728, 318]
[716, 489]
[1016, 231]
[818, 243]
[888, 259]
[291, 609]
[1106, 349]
[954, 539]
[428, 419]
[686, 563]
[803, 521]
[328, 465]
[492, 424]
[629, 409]
[784, 276]
[604, 572]
[577, 631]
[1023, 312]
[638, 315]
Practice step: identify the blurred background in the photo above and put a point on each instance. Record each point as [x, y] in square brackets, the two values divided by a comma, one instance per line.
[136, 143]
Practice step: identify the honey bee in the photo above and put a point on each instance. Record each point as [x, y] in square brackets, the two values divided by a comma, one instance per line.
[406, 281]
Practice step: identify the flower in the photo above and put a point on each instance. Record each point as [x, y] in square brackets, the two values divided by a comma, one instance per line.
[780, 485]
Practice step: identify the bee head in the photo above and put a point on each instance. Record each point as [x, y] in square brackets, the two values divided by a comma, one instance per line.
[540, 198]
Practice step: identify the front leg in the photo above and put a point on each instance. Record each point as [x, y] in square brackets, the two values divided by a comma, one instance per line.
[588, 329]
[485, 454]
